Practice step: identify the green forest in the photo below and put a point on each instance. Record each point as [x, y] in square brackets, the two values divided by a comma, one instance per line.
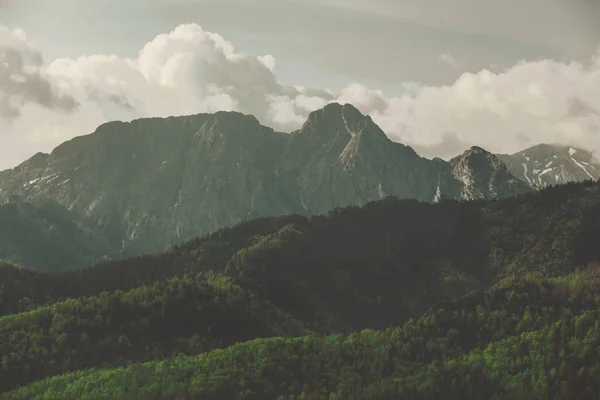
[397, 299]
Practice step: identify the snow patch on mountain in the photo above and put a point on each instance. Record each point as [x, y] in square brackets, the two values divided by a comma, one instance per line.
[550, 164]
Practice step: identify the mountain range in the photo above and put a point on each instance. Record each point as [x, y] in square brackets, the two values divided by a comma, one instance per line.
[148, 184]
[326, 263]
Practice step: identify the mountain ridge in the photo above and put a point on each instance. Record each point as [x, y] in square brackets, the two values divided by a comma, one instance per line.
[551, 164]
[154, 182]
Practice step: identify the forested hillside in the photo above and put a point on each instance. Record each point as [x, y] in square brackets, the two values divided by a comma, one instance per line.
[531, 339]
[474, 300]
[46, 236]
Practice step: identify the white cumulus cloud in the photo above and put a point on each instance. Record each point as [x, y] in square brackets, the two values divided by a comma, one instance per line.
[530, 103]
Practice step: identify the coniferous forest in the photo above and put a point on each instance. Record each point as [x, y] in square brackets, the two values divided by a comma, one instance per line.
[397, 299]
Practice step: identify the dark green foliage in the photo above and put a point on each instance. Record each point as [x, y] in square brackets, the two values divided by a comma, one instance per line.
[459, 300]
[201, 254]
[179, 315]
[357, 264]
[544, 351]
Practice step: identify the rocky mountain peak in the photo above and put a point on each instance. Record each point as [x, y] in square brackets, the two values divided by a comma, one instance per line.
[484, 176]
[335, 120]
[477, 158]
[477, 150]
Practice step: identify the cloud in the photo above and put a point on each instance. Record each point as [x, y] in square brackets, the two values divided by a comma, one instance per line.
[448, 59]
[21, 80]
[190, 70]
[367, 100]
[450, 145]
[543, 101]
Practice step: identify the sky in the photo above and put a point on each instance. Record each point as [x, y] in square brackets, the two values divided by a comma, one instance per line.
[438, 75]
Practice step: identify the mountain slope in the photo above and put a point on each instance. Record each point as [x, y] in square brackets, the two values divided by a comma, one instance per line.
[389, 260]
[548, 164]
[532, 339]
[340, 158]
[151, 183]
[376, 266]
[177, 316]
[46, 236]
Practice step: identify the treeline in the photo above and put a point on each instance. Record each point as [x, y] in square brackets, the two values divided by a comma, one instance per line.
[22, 289]
[359, 267]
[363, 252]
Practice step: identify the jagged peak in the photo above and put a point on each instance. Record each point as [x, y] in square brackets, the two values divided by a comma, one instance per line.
[477, 150]
[336, 112]
[346, 111]
[472, 152]
[478, 158]
[335, 119]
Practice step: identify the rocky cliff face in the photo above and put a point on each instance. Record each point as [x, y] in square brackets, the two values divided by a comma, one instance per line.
[155, 182]
[340, 157]
[547, 164]
[484, 176]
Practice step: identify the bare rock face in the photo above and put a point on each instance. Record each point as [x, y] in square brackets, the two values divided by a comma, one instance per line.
[484, 176]
[340, 157]
[551, 164]
[151, 183]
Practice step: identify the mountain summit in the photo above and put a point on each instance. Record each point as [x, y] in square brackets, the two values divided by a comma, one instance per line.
[484, 176]
[551, 164]
[154, 182]
[338, 119]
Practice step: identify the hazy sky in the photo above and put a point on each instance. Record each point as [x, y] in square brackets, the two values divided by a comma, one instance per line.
[439, 75]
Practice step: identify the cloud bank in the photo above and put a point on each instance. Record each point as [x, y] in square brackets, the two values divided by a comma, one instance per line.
[190, 70]
[20, 78]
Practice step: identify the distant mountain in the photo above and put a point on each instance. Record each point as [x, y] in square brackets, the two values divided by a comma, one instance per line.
[45, 236]
[154, 182]
[484, 176]
[551, 164]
